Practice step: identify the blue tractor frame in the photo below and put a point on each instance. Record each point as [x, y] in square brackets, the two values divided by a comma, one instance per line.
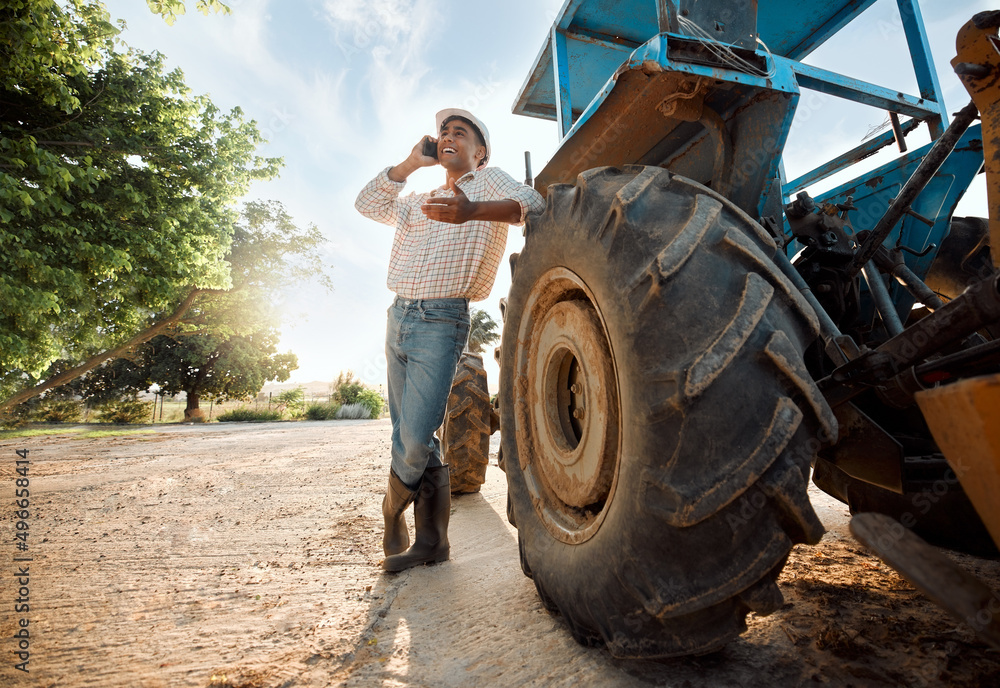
[708, 90]
[592, 44]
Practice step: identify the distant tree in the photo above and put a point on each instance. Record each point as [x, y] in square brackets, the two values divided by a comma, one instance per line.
[219, 368]
[116, 192]
[203, 366]
[349, 393]
[348, 390]
[483, 331]
[227, 349]
[372, 400]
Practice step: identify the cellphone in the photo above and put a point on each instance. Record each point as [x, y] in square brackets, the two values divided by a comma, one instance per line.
[430, 148]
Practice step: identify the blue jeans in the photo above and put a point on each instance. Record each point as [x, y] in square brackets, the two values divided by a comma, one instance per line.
[424, 340]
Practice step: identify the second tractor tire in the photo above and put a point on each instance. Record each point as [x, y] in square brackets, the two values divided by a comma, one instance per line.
[465, 435]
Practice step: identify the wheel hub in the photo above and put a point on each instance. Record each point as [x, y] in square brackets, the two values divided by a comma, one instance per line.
[567, 406]
[571, 376]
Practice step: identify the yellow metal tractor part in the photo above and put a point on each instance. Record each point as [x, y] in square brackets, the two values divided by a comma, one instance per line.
[965, 417]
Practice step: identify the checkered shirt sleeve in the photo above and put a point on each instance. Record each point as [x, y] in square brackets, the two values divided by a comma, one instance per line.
[437, 260]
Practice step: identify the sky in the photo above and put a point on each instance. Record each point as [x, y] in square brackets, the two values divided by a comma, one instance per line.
[342, 89]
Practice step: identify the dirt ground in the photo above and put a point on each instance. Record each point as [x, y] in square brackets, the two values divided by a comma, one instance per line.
[248, 555]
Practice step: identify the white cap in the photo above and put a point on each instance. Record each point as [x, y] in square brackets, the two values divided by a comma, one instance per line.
[456, 112]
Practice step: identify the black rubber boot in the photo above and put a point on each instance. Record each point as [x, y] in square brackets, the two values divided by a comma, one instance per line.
[430, 513]
[397, 497]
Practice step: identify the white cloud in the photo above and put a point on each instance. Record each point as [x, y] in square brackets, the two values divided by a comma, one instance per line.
[374, 21]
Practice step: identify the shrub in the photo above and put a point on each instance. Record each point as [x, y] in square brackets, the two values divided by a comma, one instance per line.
[58, 411]
[343, 381]
[127, 410]
[349, 393]
[322, 411]
[354, 412]
[292, 398]
[17, 417]
[371, 399]
[248, 415]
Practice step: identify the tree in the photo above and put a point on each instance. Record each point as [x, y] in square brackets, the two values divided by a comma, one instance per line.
[203, 366]
[483, 331]
[348, 390]
[169, 9]
[116, 192]
[226, 348]
[211, 367]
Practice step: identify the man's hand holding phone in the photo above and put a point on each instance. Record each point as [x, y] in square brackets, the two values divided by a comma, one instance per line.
[424, 154]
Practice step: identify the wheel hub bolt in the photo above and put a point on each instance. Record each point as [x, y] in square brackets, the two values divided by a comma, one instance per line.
[575, 388]
[578, 413]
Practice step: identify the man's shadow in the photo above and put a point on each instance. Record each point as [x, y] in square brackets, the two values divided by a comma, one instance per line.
[422, 608]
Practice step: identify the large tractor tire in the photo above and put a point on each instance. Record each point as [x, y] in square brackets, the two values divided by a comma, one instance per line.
[658, 420]
[465, 435]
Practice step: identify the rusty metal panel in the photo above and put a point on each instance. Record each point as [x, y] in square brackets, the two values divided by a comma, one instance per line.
[964, 418]
[722, 134]
[978, 65]
[865, 451]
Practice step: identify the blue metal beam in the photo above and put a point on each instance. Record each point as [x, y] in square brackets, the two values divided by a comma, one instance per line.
[844, 161]
[567, 13]
[560, 60]
[622, 45]
[923, 63]
[874, 191]
[655, 50]
[862, 91]
[666, 15]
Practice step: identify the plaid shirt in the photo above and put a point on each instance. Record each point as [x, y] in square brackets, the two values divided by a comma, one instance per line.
[439, 260]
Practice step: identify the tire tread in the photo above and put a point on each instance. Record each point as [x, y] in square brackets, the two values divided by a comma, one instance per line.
[735, 520]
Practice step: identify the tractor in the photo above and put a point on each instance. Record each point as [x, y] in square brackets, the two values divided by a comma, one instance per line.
[690, 336]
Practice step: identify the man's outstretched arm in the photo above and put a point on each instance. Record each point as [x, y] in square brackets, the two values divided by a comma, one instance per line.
[459, 209]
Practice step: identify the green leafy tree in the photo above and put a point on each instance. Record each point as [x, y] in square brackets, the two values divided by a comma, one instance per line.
[349, 393]
[226, 348]
[483, 331]
[116, 192]
[348, 390]
[203, 366]
[206, 366]
[169, 9]
[373, 400]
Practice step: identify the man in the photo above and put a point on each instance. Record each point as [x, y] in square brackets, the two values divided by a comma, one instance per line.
[445, 253]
